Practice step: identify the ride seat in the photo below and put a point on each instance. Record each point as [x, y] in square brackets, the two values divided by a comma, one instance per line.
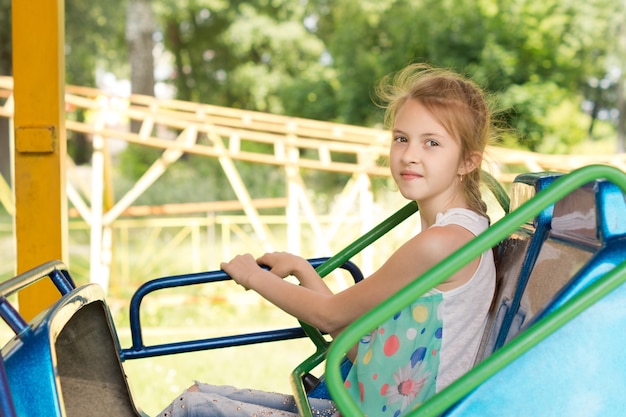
[66, 361]
[92, 378]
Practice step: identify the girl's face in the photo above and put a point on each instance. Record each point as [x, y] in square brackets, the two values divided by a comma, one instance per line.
[425, 160]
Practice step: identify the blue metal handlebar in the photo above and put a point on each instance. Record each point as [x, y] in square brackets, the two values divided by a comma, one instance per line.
[139, 350]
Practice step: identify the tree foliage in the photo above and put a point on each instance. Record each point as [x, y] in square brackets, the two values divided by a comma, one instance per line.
[94, 39]
[531, 55]
[5, 38]
[254, 55]
[320, 59]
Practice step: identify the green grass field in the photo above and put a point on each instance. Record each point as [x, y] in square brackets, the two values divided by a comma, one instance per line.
[156, 381]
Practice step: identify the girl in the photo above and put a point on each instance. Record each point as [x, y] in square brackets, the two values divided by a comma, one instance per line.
[441, 125]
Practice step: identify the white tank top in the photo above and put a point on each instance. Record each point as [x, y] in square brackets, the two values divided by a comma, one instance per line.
[464, 309]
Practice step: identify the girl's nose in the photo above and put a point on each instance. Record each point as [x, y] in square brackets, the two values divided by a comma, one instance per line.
[411, 155]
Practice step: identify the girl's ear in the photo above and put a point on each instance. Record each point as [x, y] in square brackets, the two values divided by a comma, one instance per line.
[471, 163]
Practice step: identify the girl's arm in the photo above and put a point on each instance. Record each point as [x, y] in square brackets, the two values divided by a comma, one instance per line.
[284, 264]
[333, 312]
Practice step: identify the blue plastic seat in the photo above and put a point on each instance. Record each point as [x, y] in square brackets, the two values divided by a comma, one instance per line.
[65, 362]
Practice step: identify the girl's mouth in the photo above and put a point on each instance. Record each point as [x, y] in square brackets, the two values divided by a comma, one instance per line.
[410, 175]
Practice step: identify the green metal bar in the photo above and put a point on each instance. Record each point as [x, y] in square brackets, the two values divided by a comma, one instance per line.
[485, 241]
[355, 247]
[367, 239]
[297, 386]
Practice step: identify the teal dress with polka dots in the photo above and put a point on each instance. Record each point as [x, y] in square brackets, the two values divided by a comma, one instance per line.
[397, 364]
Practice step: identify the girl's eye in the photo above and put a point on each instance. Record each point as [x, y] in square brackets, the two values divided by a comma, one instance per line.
[399, 139]
[431, 142]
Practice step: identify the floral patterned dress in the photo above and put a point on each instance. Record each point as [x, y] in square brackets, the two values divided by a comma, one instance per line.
[396, 365]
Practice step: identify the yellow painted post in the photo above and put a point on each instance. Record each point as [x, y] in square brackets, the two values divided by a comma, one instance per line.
[40, 148]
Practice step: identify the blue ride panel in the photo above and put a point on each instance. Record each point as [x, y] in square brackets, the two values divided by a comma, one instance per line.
[579, 371]
[31, 371]
[6, 399]
[29, 362]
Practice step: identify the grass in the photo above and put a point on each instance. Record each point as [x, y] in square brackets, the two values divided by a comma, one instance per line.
[156, 381]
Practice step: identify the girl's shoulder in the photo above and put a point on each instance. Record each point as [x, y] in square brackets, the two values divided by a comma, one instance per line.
[466, 218]
[451, 230]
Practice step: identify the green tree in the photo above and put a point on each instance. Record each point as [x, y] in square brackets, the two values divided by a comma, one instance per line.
[369, 39]
[140, 29]
[94, 39]
[94, 36]
[255, 55]
[539, 56]
[5, 38]
[532, 55]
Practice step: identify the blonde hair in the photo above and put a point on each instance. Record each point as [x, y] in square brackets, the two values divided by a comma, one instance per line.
[456, 102]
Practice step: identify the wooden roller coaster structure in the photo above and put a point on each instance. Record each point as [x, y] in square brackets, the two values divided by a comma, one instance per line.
[229, 135]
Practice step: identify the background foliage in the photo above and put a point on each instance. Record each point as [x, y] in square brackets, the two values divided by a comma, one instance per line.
[555, 66]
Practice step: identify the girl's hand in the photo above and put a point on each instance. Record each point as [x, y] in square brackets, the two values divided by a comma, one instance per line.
[282, 263]
[241, 269]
